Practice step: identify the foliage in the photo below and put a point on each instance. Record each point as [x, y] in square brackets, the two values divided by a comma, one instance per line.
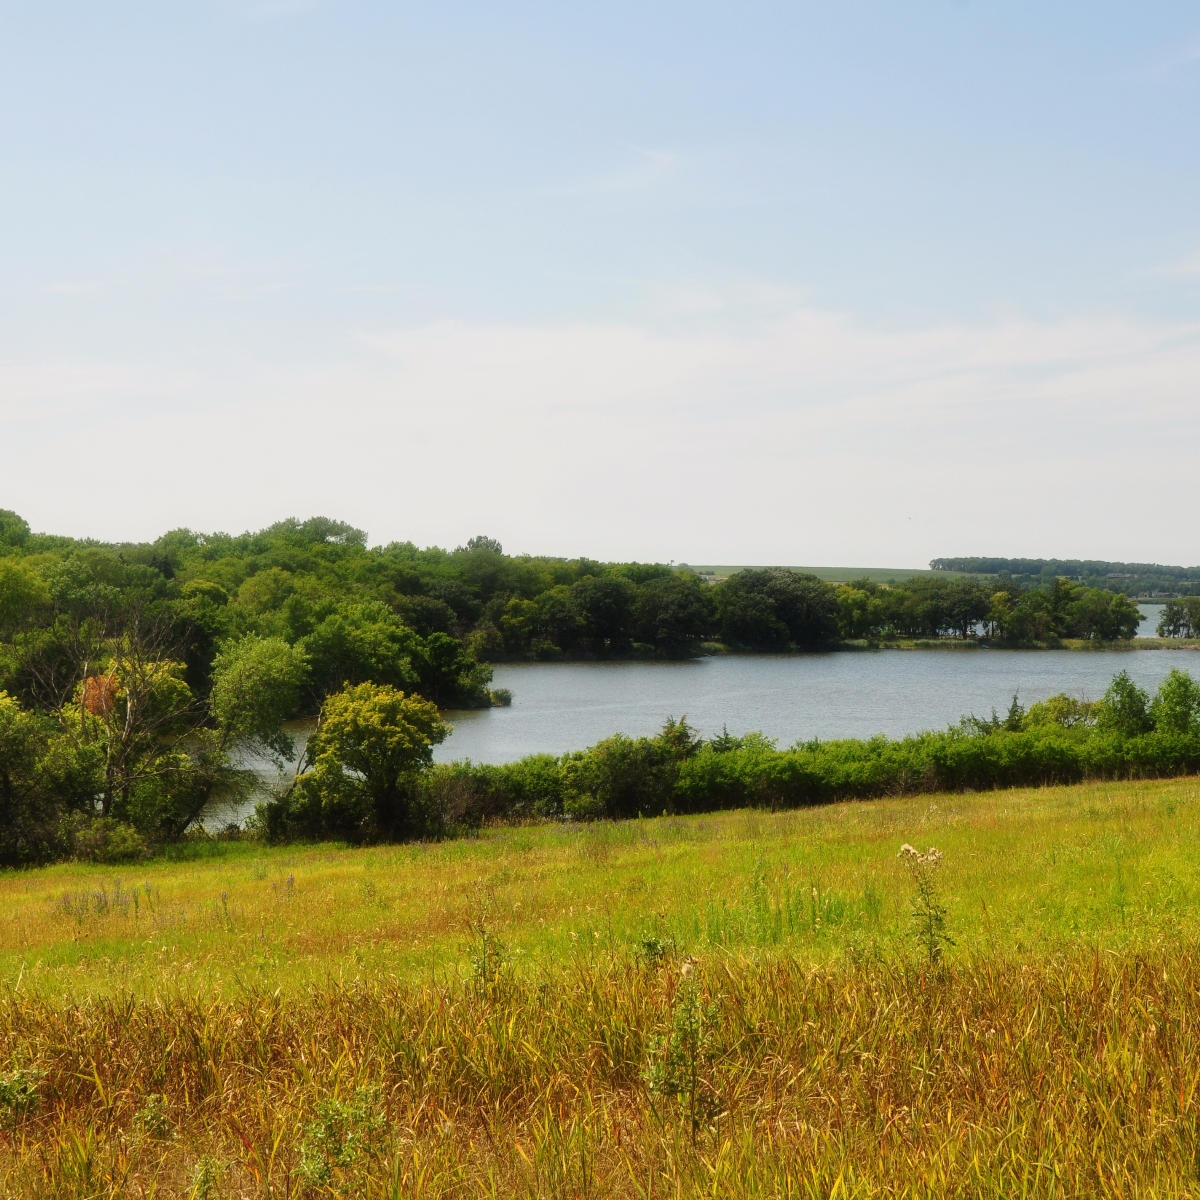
[1180, 618]
[46, 779]
[928, 911]
[364, 765]
[343, 1132]
[256, 687]
[678, 1060]
[1059, 740]
[774, 608]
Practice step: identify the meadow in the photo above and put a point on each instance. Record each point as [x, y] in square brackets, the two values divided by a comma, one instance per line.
[728, 1004]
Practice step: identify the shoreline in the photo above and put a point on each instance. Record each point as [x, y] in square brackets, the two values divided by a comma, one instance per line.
[717, 650]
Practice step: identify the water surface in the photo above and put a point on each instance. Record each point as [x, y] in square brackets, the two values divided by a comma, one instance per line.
[566, 706]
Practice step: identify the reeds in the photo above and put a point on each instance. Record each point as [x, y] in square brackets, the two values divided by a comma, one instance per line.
[1057, 1075]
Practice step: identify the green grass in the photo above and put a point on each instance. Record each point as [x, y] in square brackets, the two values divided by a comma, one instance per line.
[726, 1005]
[1034, 869]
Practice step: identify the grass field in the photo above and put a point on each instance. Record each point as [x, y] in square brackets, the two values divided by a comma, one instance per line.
[727, 1004]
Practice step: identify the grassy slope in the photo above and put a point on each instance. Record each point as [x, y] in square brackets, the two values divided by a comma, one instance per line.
[1105, 863]
[1056, 1052]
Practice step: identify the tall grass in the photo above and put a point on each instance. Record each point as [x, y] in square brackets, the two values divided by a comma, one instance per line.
[731, 1004]
[1061, 1075]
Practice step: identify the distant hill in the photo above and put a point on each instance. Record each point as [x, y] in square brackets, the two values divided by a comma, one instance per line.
[832, 574]
[1134, 579]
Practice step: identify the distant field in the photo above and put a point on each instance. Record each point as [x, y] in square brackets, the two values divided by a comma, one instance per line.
[845, 574]
[729, 1004]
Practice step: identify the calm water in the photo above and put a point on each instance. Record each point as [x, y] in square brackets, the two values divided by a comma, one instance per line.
[566, 706]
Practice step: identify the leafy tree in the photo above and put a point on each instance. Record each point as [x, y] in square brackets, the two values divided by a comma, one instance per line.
[1093, 613]
[1067, 711]
[267, 590]
[449, 675]
[558, 621]
[44, 778]
[358, 643]
[623, 776]
[773, 608]
[1176, 706]
[673, 612]
[1180, 618]
[257, 684]
[605, 605]
[24, 596]
[1125, 708]
[860, 612]
[14, 529]
[366, 760]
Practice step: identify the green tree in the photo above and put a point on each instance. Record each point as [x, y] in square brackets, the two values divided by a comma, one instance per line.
[1180, 618]
[605, 605]
[44, 777]
[366, 760]
[361, 642]
[1176, 706]
[773, 608]
[673, 612]
[14, 529]
[257, 683]
[860, 612]
[1125, 708]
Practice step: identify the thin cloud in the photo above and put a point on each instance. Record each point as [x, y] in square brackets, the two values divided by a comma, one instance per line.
[812, 438]
[1185, 269]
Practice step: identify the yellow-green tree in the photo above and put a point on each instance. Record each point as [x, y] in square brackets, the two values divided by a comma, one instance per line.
[367, 755]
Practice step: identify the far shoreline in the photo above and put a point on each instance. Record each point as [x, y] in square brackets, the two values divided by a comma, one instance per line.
[716, 650]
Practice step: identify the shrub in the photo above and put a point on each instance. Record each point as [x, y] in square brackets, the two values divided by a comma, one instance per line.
[107, 840]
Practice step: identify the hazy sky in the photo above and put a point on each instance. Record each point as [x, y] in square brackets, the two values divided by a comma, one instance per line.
[836, 283]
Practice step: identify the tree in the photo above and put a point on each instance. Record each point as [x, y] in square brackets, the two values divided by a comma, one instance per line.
[605, 606]
[449, 675]
[860, 612]
[1125, 708]
[256, 686]
[773, 608]
[14, 529]
[361, 642]
[365, 763]
[673, 612]
[1176, 707]
[44, 777]
[1180, 618]
[1093, 613]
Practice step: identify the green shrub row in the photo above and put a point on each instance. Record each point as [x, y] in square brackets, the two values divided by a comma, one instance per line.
[1126, 735]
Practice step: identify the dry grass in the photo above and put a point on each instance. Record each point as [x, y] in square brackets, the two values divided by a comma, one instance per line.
[359, 1030]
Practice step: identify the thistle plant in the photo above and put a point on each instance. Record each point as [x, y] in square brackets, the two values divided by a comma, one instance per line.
[343, 1132]
[928, 911]
[675, 1060]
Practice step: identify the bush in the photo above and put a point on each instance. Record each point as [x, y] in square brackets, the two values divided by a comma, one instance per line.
[106, 840]
[1060, 740]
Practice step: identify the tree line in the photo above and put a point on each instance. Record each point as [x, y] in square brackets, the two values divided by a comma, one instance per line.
[133, 676]
[1134, 579]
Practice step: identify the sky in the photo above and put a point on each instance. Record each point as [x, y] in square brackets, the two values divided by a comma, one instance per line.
[823, 284]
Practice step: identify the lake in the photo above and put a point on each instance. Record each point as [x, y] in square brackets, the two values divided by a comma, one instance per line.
[567, 706]
[559, 707]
